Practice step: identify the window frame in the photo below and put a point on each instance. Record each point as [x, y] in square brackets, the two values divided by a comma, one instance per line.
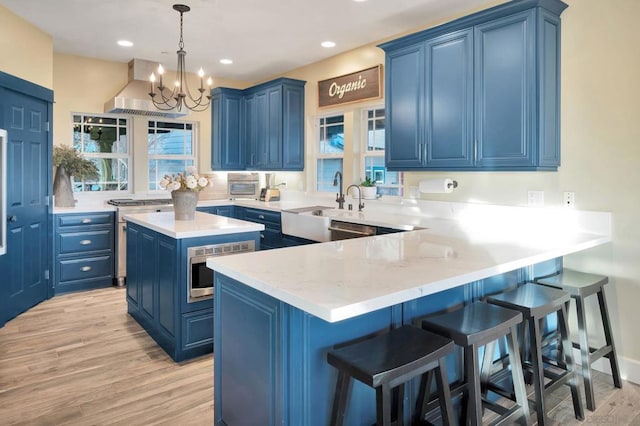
[193, 157]
[317, 146]
[127, 155]
[365, 153]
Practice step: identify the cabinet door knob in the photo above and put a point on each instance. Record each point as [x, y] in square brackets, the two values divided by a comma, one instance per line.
[260, 216]
[262, 236]
[85, 268]
[12, 219]
[85, 242]
[86, 220]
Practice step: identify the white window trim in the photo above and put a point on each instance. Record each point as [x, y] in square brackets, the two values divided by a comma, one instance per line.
[321, 156]
[128, 155]
[183, 157]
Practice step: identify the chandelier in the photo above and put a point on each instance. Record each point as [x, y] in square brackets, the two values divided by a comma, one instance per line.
[180, 96]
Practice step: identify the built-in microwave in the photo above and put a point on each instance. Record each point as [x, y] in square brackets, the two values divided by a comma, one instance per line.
[243, 186]
[199, 276]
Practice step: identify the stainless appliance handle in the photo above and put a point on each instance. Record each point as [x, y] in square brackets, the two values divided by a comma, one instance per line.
[351, 231]
[3, 191]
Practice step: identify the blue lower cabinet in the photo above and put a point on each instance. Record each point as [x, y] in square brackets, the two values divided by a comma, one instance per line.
[227, 211]
[157, 290]
[271, 237]
[84, 244]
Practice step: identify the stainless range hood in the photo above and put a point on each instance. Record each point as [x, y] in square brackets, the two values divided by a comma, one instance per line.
[134, 97]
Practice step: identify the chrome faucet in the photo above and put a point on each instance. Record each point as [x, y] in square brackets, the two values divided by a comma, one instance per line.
[360, 203]
[339, 195]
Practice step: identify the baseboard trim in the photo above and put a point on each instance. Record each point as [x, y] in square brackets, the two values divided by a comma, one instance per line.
[629, 368]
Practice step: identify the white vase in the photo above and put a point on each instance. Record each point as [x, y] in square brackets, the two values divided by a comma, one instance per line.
[184, 204]
[369, 192]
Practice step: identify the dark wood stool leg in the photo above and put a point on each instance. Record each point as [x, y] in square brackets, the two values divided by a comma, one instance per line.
[538, 373]
[487, 366]
[472, 371]
[444, 393]
[584, 353]
[606, 323]
[343, 386]
[518, 377]
[563, 325]
[424, 394]
[383, 404]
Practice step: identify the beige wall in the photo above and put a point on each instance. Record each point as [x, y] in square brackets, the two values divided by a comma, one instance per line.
[27, 52]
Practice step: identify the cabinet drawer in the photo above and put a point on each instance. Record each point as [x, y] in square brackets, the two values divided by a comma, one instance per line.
[85, 268]
[270, 238]
[85, 219]
[75, 242]
[262, 216]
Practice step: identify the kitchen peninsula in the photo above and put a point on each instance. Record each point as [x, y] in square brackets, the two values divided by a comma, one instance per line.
[165, 283]
[278, 312]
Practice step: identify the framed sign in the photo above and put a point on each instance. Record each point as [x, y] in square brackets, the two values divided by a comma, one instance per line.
[354, 87]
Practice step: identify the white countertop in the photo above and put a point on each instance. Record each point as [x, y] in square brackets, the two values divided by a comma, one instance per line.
[203, 225]
[343, 279]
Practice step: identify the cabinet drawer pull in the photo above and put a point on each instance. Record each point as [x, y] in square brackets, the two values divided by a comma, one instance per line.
[85, 242]
[262, 236]
[85, 268]
[86, 220]
[260, 216]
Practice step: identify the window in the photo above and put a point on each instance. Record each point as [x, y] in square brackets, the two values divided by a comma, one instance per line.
[330, 151]
[171, 149]
[103, 140]
[387, 182]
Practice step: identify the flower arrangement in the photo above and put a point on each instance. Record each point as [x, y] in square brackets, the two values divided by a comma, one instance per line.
[187, 181]
[74, 164]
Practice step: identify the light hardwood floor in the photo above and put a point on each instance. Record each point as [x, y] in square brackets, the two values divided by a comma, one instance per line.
[79, 359]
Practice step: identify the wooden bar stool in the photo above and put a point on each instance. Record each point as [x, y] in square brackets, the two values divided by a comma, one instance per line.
[476, 325]
[388, 361]
[581, 285]
[535, 302]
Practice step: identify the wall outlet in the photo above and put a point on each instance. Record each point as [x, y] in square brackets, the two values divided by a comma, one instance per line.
[569, 199]
[535, 198]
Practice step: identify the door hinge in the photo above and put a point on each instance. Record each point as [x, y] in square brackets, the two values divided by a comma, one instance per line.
[46, 274]
[46, 200]
[47, 126]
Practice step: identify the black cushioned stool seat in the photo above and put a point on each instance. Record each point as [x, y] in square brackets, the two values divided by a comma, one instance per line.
[471, 327]
[387, 361]
[535, 302]
[581, 285]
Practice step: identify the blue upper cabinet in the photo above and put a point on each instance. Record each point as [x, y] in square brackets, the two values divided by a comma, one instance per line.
[478, 93]
[271, 127]
[227, 152]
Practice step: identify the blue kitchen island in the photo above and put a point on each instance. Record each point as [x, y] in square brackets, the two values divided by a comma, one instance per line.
[277, 313]
[158, 268]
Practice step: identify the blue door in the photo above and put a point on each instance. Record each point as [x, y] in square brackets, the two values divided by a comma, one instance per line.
[25, 267]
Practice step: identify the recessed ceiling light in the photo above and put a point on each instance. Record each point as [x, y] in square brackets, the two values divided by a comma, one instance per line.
[226, 61]
[125, 43]
[328, 44]
[359, 1]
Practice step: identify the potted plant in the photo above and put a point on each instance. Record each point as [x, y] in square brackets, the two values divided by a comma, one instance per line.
[368, 189]
[68, 162]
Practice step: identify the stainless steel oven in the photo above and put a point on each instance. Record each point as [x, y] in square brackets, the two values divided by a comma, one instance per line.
[199, 276]
[243, 186]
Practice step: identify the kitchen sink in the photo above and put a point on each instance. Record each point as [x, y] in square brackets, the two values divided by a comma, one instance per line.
[307, 222]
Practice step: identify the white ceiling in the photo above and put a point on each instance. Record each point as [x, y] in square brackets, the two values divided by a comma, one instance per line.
[263, 37]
